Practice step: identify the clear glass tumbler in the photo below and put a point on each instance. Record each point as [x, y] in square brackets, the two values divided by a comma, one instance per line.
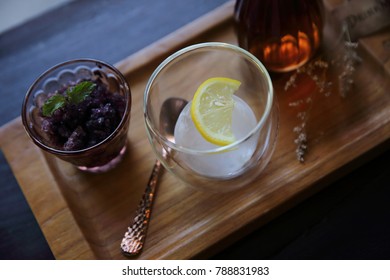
[103, 155]
[207, 166]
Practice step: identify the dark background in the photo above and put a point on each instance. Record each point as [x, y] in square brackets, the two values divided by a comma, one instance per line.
[349, 219]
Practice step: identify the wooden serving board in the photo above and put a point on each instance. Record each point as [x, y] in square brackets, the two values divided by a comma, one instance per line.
[84, 216]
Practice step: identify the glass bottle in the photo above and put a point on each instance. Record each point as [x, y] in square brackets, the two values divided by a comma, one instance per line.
[282, 34]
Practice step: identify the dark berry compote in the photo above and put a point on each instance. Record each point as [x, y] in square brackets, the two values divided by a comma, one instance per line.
[81, 115]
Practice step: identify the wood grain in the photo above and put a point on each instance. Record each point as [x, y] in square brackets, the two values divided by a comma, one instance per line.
[84, 216]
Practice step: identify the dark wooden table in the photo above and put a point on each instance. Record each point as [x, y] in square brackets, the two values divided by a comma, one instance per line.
[349, 219]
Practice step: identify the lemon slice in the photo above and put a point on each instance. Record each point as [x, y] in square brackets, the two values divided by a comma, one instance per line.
[212, 109]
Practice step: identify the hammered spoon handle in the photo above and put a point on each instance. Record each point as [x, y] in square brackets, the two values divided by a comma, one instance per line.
[134, 238]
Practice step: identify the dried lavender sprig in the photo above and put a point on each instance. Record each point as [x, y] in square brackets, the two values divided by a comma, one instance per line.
[309, 69]
[322, 85]
[348, 65]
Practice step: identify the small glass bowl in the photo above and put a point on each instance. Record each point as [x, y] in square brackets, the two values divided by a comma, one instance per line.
[106, 154]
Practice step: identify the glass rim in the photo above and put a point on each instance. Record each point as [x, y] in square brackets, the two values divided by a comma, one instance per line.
[43, 75]
[260, 123]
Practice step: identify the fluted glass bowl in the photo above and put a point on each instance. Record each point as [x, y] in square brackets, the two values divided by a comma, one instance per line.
[101, 156]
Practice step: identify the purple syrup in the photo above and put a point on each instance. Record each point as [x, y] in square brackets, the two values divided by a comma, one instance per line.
[79, 126]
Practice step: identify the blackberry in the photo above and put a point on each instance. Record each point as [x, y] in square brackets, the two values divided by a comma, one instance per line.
[82, 125]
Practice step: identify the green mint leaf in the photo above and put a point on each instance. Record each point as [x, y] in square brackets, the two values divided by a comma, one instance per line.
[79, 92]
[53, 103]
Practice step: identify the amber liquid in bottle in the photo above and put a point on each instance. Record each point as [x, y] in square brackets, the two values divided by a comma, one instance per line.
[282, 34]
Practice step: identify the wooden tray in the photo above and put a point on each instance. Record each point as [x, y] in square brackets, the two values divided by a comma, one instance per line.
[84, 216]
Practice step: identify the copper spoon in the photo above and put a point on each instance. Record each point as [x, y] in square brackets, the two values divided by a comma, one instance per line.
[134, 238]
